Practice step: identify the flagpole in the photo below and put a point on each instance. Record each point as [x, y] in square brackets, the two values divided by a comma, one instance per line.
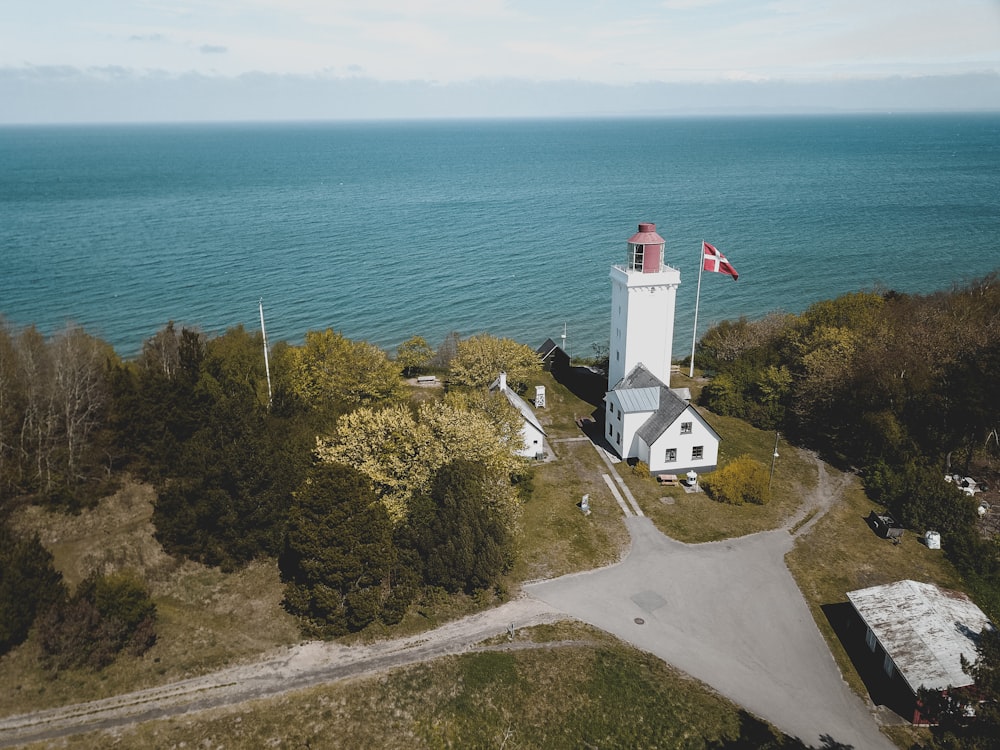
[697, 299]
[267, 365]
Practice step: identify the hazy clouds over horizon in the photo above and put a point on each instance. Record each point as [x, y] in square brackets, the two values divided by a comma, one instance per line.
[112, 60]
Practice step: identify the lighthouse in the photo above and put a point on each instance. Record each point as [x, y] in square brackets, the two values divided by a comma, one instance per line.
[643, 296]
[644, 420]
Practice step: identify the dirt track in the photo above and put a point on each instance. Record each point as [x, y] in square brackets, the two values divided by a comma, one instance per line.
[297, 667]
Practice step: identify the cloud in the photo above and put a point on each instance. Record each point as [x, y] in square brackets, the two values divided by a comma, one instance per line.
[212, 49]
[54, 94]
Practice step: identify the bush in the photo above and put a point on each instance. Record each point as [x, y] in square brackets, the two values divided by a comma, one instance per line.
[106, 616]
[742, 480]
[28, 585]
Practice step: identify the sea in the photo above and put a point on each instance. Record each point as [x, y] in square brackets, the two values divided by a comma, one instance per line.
[386, 230]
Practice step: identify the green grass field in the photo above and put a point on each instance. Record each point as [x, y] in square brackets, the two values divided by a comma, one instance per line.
[563, 686]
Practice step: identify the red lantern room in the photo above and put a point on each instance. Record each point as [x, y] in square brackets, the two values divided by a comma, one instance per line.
[645, 250]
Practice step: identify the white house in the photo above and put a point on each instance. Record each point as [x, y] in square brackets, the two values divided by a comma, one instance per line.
[647, 421]
[643, 418]
[532, 434]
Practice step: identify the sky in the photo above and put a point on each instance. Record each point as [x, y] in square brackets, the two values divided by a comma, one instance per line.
[141, 60]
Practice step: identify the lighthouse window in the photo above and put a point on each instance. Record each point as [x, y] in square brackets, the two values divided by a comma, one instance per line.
[670, 455]
[698, 453]
[637, 251]
[685, 428]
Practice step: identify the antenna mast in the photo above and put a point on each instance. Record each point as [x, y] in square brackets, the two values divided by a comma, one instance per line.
[267, 366]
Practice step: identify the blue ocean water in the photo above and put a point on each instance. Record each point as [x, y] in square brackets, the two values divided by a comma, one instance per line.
[386, 230]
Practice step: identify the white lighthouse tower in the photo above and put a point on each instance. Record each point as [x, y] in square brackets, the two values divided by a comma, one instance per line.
[644, 420]
[643, 295]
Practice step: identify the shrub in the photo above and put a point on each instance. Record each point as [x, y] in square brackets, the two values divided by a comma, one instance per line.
[28, 585]
[742, 480]
[105, 616]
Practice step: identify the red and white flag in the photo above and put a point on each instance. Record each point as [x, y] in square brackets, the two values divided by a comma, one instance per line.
[713, 260]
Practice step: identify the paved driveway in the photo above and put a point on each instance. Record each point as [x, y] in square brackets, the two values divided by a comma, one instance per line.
[730, 614]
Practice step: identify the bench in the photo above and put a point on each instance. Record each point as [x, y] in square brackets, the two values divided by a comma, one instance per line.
[670, 480]
[423, 379]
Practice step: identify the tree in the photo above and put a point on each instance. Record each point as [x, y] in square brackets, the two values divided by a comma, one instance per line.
[29, 584]
[480, 359]
[336, 374]
[338, 551]
[460, 536]
[413, 356]
[79, 364]
[446, 351]
[400, 453]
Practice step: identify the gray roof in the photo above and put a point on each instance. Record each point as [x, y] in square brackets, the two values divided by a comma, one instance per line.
[671, 407]
[924, 629]
[638, 377]
[639, 399]
[641, 391]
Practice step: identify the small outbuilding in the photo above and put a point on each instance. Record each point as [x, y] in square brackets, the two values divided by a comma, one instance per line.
[920, 632]
[532, 433]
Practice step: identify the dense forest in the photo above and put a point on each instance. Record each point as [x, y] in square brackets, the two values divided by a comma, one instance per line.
[362, 497]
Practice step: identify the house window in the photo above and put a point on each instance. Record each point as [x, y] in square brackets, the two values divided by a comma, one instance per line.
[698, 453]
[671, 455]
[870, 640]
[888, 666]
[685, 428]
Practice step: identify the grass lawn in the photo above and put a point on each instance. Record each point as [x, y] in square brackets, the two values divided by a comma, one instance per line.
[598, 692]
[696, 518]
[576, 688]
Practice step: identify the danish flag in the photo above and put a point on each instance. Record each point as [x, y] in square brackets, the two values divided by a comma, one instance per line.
[713, 260]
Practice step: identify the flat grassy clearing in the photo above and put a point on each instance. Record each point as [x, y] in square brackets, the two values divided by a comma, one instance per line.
[695, 518]
[579, 688]
[557, 538]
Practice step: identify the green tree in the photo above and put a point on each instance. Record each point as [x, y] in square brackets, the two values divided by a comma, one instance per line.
[334, 374]
[338, 551]
[413, 356]
[225, 488]
[400, 453]
[480, 359]
[461, 538]
[29, 584]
